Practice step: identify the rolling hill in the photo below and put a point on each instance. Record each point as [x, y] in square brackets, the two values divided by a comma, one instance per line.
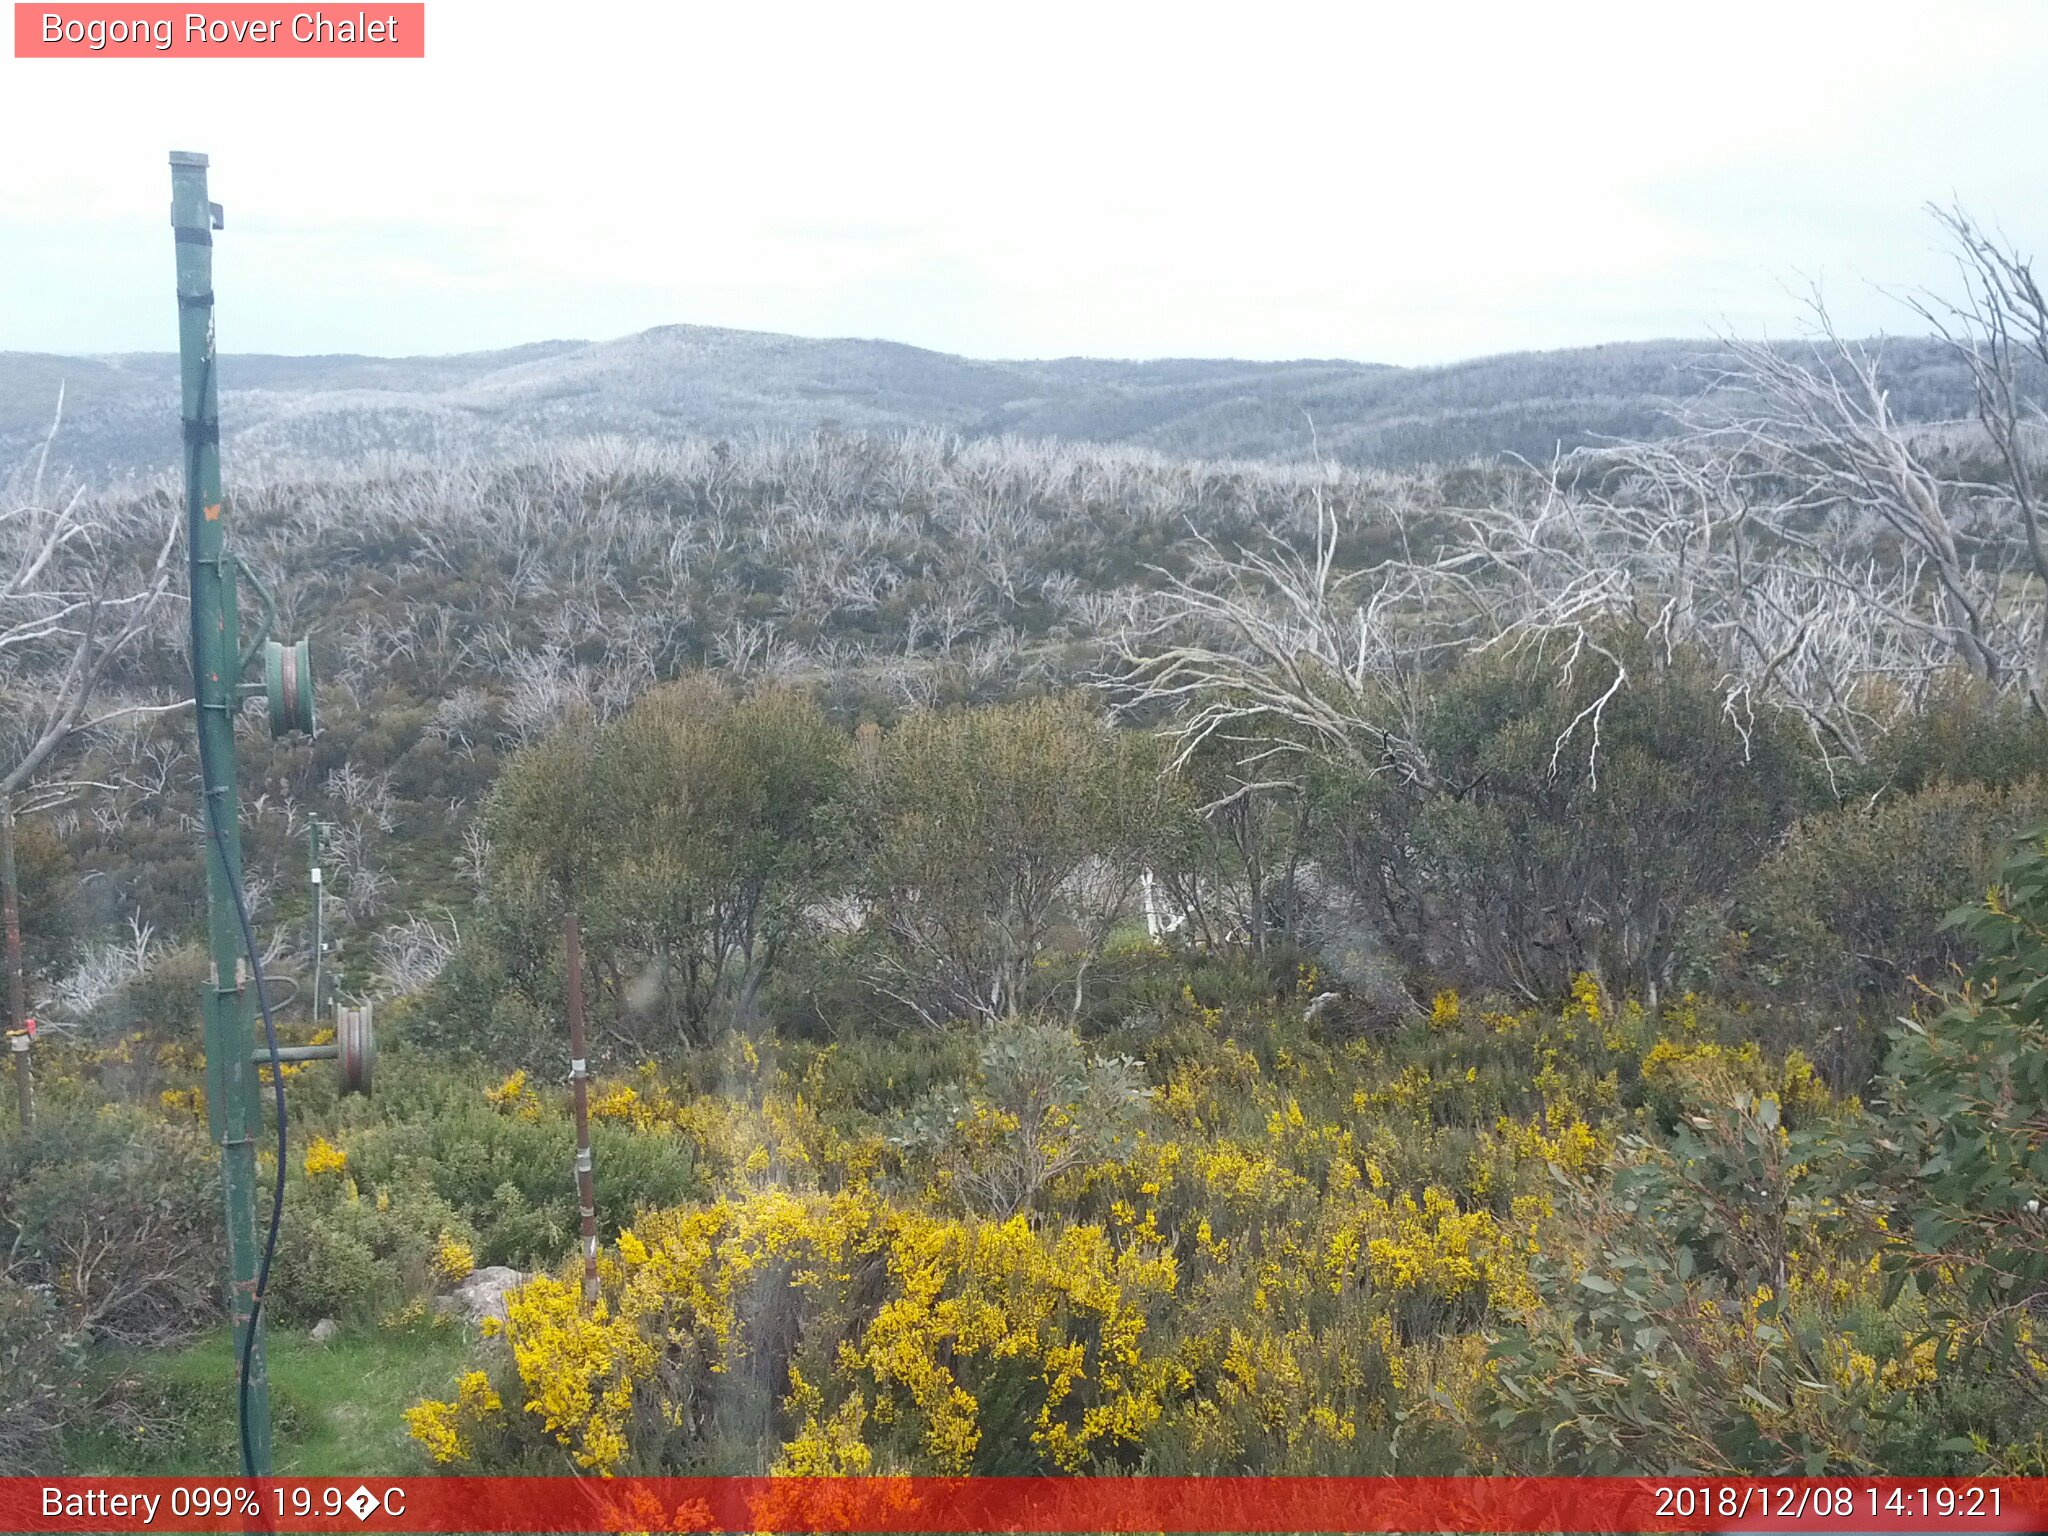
[120, 415]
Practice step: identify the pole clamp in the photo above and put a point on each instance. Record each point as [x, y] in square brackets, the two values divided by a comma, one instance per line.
[200, 433]
[216, 215]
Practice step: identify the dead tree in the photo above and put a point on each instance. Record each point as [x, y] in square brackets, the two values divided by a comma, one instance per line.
[1275, 650]
[1999, 328]
[1794, 529]
[74, 598]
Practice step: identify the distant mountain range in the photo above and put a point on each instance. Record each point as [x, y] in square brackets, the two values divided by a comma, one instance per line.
[120, 414]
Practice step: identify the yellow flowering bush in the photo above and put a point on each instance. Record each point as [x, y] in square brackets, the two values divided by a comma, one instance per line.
[1298, 1255]
[445, 1429]
[907, 1320]
[182, 1103]
[322, 1156]
[1521, 1154]
[453, 1259]
[513, 1096]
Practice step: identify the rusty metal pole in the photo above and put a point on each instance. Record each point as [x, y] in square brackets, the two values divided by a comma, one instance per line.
[17, 998]
[10, 901]
[24, 1088]
[579, 1087]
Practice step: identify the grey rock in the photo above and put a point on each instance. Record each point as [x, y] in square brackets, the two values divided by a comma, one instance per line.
[482, 1293]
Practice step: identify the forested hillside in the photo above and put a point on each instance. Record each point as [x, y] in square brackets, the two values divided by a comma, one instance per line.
[308, 414]
[1096, 958]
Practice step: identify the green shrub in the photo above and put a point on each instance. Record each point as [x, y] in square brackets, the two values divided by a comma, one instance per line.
[987, 840]
[41, 1363]
[1965, 1153]
[881, 1072]
[1681, 1331]
[118, 1215]
[1041, 1105]
[163, 1001]
[1849, 910]
[638, 1173]
[687, 836]
[510, 1176]
[351, 1256]
[1533, 856]
[51, 903]
[1958, 736]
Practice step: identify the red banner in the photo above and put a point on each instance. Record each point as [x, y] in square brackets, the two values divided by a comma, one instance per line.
[224, 31]
[1043, 1506]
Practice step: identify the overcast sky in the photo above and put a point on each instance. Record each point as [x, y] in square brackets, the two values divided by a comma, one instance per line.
[1405, 183]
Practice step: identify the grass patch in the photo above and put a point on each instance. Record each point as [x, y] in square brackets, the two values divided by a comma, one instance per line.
[335, 1410]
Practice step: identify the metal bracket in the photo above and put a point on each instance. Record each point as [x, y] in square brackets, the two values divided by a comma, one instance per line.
[216, 216]
[263, 630]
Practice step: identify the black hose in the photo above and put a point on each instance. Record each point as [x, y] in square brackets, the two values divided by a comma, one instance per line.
[247, 1350]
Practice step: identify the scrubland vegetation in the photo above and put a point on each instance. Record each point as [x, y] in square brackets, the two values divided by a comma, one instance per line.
[1101, 962]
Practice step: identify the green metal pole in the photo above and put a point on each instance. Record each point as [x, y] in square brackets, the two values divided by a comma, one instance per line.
[234, 1109]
